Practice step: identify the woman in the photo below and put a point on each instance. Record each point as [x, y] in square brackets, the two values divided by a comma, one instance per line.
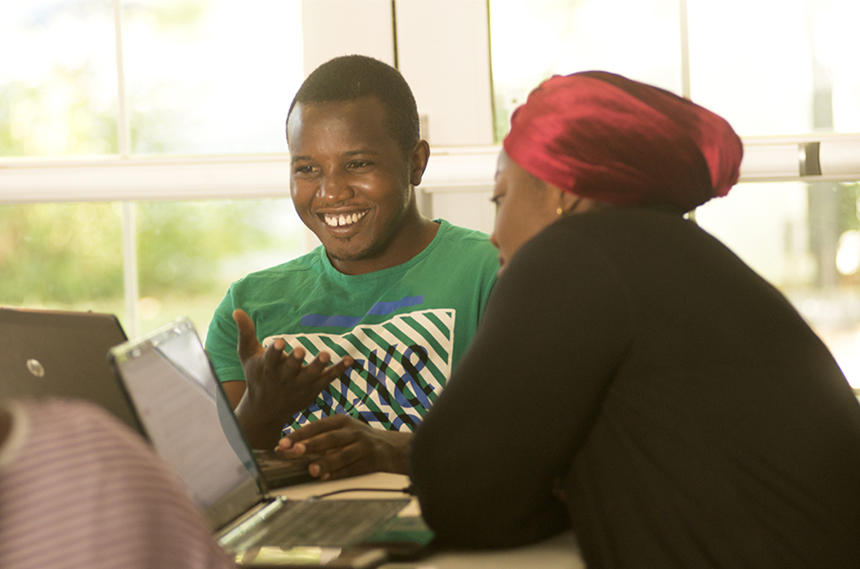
[632, 378]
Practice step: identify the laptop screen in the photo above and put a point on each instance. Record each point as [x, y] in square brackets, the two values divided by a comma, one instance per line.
[186, 414]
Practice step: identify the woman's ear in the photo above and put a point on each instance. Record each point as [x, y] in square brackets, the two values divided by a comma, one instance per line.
[572, 203]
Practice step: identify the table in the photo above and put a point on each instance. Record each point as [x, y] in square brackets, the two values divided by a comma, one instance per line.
[559, 552]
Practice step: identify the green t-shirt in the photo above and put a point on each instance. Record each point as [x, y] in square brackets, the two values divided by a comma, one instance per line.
[406, 327]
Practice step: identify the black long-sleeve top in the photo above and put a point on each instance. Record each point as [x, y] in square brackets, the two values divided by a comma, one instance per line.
[633, 379]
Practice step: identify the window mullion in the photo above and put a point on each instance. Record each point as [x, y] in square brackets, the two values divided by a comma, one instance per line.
[129, 234]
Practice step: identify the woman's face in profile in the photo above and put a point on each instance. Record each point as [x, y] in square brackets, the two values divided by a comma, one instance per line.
[524, 206]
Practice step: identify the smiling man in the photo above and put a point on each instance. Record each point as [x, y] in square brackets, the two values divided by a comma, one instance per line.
[391, 296]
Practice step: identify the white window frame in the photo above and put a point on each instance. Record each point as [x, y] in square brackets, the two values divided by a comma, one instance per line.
[452, 84]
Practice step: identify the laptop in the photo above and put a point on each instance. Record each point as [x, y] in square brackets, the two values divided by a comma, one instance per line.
[52, 353]
[180, 402]
[64, 354]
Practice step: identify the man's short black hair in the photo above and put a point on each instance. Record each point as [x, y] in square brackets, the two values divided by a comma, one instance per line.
[350, 77]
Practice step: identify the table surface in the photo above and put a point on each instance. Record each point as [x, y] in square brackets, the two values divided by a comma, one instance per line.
[559, 552]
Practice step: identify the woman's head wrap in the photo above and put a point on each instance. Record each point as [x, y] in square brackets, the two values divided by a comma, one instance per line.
[605, 137]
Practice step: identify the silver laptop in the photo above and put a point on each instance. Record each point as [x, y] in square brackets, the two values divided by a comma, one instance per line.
[180, 402]
[51, 353]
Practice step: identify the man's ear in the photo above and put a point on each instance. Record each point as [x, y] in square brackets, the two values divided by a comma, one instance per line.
[418, 162]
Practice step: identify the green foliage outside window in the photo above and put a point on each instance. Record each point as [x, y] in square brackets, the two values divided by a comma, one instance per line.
[59, 253]
[63, 253]
[181, 246]
[69, 255]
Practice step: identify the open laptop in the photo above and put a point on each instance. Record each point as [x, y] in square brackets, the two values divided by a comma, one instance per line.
[180, 402]
[64, 354]
[51, 353]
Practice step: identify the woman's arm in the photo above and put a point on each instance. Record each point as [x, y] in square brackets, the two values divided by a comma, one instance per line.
[486, 459]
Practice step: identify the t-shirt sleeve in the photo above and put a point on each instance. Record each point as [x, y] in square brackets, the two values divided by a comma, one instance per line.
[222, 340]
[486, 460]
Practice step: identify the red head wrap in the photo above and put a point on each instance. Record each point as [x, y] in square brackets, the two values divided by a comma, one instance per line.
[605, 137]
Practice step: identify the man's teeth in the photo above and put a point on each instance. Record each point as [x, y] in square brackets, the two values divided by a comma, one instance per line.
[338, 220]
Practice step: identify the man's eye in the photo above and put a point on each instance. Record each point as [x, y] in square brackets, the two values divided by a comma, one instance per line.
[359, 164]
[303, 169]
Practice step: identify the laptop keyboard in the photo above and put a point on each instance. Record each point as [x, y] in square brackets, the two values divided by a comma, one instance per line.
[327, 523]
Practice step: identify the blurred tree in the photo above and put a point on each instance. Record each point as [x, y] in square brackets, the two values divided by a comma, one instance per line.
[181, 244]
[59, 252]
[65, 253]
[54, 254]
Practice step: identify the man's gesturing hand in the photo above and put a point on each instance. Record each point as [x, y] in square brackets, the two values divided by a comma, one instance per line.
[278, 385]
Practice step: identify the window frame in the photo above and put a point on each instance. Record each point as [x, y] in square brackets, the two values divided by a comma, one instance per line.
[457, 122]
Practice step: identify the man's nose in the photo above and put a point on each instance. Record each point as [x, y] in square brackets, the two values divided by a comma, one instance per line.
[335, 187]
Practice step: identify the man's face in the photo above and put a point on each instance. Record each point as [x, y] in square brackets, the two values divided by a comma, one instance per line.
[524, 207]
[350, 182]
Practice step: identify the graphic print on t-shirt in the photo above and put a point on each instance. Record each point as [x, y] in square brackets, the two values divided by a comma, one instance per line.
[399, 370]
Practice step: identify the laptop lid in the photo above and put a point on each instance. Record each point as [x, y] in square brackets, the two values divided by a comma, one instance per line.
[51, 353]
[176, 393]
[189, 419]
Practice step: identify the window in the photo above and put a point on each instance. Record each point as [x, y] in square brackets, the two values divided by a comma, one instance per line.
[772, 70]
[62, 255]
[130, 173]
[198, 77]
[776, 69]
[58, 92]
[785, 69]
[189, 252]
[535, 39]
[798, 235]
[209, 77]
[803, 238]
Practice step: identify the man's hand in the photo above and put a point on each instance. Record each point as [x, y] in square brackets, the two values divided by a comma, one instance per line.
[277, 385]
[348, 448]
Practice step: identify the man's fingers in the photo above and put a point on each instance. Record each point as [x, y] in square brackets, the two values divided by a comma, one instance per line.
[322, 430]
[339, 368]
[294, 361]
[249, 345]
[319, 364]
[291, 451]
[309, 430]
[328, 374]
[274, 353]
[341, 464]
[318, 374]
